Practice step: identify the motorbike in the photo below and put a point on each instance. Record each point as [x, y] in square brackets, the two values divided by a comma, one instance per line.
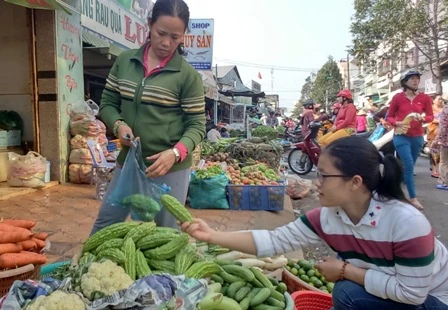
[305, 154]
[293, 136]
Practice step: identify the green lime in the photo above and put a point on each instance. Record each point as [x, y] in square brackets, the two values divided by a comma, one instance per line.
[322, 278]
[317, 273]
[323, 287]
[288, 268]
[307, 267]
[310, 283]
[291, 262]
[304, 278]
[318, 283]
[303, 262]
[294, 271]
[311, 273]
[302, 272]
[330, 286]
[313, 279]
[325, 291]
[297, 266]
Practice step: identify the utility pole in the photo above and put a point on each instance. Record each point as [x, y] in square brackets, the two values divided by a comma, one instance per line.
[272, 79]
[348, 72]
[215, 115]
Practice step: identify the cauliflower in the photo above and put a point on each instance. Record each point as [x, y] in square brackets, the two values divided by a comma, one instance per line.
[57, 300]
[106, 278]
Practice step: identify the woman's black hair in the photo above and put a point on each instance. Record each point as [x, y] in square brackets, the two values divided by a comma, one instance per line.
[358, 156]
[173, 8]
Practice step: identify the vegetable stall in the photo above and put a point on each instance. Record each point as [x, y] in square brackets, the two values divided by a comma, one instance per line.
[141, 266]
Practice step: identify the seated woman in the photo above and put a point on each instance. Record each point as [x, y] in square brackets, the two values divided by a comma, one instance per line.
[388, 255]
[345, 122]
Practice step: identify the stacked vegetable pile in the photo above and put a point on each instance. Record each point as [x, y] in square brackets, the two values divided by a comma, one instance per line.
[256, 149]
[19, 246]
[258, 174]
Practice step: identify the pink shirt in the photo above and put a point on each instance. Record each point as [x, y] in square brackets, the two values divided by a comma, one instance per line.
[179, 145]
[361, 123]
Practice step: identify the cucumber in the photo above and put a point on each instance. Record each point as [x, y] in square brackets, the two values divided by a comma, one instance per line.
[239, 271]
[241, 293]
[234, 287]
[244, 304]
[273, 281]
[224, 290]
[217, 278]
[261, 296]
[262, 278]
[277, 295]
[276, 303]
[225, 262]
[229, 278]
[266, 307]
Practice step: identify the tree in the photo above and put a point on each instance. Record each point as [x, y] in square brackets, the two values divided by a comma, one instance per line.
[393, 25]
[305, 94]
[327, 84]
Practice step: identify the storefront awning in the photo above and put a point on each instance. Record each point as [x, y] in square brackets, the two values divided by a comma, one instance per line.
[41, 4]
[102, 46]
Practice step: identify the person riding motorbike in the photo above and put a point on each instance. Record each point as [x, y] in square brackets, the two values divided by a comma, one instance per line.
[308, 115]
[335, 110]
[345, 122]
[408, 136]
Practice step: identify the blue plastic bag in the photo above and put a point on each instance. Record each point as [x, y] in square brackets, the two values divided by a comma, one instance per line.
[134, 190]
[209, 193]
[377, 133]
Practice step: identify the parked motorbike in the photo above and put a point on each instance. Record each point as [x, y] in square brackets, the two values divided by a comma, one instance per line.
[293, 136]
[305, 154]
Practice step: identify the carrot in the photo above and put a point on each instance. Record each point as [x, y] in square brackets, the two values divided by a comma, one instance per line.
[39, 243]
[14, 236]
[41, 236]
[28, 224]
[10, 248]
[14, 260]
[7, 227]
[28, 244]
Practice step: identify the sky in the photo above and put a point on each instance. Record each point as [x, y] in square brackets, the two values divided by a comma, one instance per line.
[280, 33]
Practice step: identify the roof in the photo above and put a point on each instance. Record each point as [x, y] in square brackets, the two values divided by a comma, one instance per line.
[208, 77]
[224, 70]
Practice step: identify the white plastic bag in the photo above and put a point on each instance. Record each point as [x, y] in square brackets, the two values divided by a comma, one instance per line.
[297, 187]
[26, 170]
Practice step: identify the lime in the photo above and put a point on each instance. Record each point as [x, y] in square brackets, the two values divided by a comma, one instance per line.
[311, 273]
[317, 273]
[307, 267]
[291, 262]
[303, 262]
[322, 278]
[297, 266]
[288, 268]
[313, 279]
[294, 271]
[310, 283]
[302, 272]
[323, 288]
[330, 286]
[318, 283]
[325, 291]
[304, 278]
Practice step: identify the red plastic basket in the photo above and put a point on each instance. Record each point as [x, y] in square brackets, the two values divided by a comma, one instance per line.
[308, 300]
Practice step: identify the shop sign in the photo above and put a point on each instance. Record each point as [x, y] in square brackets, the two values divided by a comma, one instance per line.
[39, 4]
[114, 22]
[198, 43]
[256, 86]
[430, 86]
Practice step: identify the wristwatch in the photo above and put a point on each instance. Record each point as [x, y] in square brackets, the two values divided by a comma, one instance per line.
[176, 153]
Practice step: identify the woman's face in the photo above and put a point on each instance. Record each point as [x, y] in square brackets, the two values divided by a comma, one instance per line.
[167, 32]
[413, 82]
[438, 100]
[332, 186]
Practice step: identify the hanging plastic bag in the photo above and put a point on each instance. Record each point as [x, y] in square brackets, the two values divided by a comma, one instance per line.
[208, 193]
[26, 170]
[134, 190]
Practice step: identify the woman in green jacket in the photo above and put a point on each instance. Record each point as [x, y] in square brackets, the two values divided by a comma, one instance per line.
[154, 94]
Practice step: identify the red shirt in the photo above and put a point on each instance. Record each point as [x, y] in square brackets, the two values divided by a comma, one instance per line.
[401, 106]
[346, 117]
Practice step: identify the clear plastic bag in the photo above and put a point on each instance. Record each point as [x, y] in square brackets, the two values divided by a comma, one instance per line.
[26, 170]
[134, 190]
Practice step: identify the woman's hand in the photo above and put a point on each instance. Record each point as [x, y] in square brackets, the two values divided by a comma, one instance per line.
[125, 131]
[331, 268]
[163, 162]
[401, 128]
[333, 129]
[198, 230]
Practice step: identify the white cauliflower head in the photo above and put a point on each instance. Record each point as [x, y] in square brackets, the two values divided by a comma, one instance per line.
[106, 277]
[58, 300]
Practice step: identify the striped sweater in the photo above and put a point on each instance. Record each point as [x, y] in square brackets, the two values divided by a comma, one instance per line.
[393, 241]
[162, 109]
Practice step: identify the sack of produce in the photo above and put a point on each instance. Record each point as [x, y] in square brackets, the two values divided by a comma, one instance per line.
[297, 187]
[134, 190]
[84, 125]
[208, 188]
[79, 174]
[26, 170]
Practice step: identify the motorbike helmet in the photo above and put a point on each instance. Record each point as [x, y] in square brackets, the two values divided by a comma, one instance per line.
[345, 93]
[337, 105]
[405, 76]
[308, 103]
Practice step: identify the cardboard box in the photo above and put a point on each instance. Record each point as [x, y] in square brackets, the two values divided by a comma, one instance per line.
[10, 138]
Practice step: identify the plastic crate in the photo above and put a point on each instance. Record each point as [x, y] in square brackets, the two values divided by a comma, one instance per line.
[47, 270]
[256, 197]
[308, 300]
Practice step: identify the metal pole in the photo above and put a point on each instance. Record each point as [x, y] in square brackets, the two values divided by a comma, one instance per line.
[348, 72]
[215, 115]
[326, 100]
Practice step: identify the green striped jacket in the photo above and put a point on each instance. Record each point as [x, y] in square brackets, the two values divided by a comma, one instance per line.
[162, 109]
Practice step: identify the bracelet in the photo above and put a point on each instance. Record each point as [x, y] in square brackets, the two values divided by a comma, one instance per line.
[341, 276]
[116, 126]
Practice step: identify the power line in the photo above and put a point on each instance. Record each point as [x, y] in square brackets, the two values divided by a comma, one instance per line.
[264, 66]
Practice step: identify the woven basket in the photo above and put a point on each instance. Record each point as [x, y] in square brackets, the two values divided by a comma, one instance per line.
[294, 284]
[308, 300]
[8, 277]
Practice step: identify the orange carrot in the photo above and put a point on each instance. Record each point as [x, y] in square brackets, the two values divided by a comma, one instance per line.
[28, 224]
[14, 236]
[41, 236]
[14, 260]
[39, 243]
[28, 244]
[10, 248]
[7, 227]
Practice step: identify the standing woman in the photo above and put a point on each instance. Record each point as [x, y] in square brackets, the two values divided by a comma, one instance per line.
[434, 156]
[408, 138]
[154, 94]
